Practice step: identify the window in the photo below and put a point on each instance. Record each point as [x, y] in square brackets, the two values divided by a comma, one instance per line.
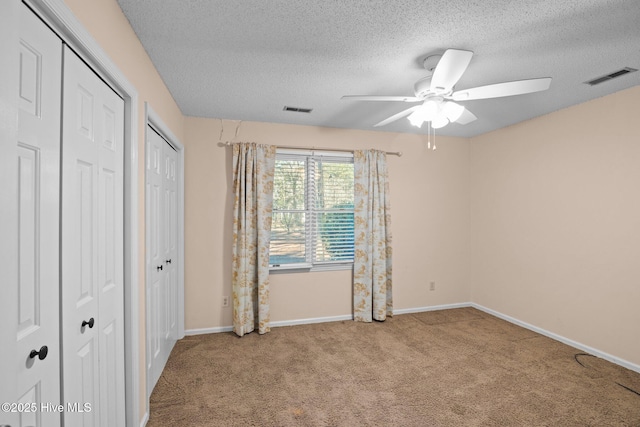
[312, 223]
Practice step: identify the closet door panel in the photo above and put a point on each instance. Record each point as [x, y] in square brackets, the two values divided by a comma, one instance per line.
[37, 359]
[110, 257]
[92, 247]
[171, 246]
[9, 40]
[80, 320]
[162, 227]
[156, 281]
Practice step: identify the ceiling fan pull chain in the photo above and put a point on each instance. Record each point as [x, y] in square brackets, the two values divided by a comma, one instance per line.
[434, 140]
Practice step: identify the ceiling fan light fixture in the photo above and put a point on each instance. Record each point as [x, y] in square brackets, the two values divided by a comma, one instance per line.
[416, 118]
[439, 122]
[430, 110]
[427, 112]
[452, 111]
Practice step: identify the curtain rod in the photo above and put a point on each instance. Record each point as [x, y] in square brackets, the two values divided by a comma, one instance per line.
[393, 153]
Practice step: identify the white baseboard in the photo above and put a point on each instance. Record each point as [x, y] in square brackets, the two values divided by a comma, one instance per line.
[280, 323]
[567, 341]
[311, 320]
[202, 331]
[431, 308]
[145, 419]
[276, 324]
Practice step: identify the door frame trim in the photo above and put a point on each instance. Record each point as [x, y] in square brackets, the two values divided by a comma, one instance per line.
[153, 119]
[65, 24]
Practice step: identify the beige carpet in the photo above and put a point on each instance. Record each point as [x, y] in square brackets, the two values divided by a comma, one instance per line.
[458, 367]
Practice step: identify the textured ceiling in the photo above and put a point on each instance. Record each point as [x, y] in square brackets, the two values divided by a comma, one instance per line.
[246, 60]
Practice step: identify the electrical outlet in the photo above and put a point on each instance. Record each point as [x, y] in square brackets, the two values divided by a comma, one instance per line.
[432, 286]
[225, 301]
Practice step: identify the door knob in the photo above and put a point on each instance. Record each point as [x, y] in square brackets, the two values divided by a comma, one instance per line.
[159, 268]
[168, 261]
[42, 353]
[89, 323]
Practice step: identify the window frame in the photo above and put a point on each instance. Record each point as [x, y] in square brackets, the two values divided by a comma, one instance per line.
[311, 232]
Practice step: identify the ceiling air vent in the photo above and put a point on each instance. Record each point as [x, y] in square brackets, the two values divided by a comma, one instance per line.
[297, 109]
[625, 70]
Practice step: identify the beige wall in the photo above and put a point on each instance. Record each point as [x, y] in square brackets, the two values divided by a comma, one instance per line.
[430, 222]
[105, 21]
[555, 208]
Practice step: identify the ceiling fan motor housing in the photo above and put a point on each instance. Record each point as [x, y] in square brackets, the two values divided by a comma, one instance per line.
[422, 87]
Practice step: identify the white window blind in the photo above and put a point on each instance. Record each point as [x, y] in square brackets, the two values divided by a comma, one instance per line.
[312, 223]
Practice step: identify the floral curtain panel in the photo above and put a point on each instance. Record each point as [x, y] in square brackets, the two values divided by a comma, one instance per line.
[372, 284]
[253, 169]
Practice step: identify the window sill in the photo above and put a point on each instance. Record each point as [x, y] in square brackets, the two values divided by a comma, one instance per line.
[306, 268]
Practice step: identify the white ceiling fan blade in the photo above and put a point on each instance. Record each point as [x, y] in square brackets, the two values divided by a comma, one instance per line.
[381, 98]
[395, 117]
[450, 68]
[466, 117]
[498, 90]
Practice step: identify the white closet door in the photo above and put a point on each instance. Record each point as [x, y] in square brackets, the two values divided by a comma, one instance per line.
[92, 248]
[9, 40]
[162, 229]
[34, 299]
[170, 243]
[38, 206]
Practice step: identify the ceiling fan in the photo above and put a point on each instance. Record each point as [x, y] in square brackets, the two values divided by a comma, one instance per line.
[437, 95]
